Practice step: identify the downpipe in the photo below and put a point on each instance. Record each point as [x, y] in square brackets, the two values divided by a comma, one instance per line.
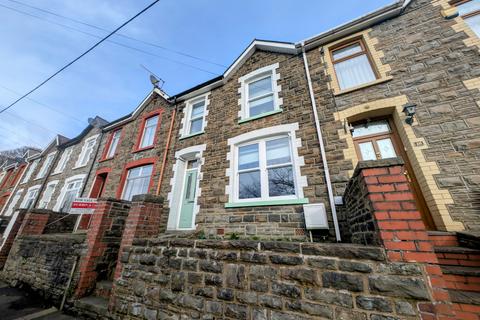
[322, 146]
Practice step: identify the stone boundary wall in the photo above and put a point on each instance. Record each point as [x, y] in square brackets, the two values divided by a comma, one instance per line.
[43, 263]
[205, 279]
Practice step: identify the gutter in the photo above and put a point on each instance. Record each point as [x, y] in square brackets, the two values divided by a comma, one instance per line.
[322, 147]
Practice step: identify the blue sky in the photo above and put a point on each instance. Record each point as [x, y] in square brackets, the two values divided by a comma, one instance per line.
[110, 81]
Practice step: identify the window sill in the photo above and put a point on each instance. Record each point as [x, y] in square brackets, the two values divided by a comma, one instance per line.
[143, 149]
[266, 203]
[363, 86]
[55, 173]
[105, 159]
[78, 167]
[266, 114]
[192, 135]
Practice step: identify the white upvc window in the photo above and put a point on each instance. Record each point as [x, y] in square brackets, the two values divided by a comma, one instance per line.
[113, 143]
[47, 194]
[45, 166]
[71, 190]
[30, 197]
[195, 114]
[137, 181]
[2, 175]
[469, 10]
[13, 203]
[87, 151]
[265, 166]
[62, 163]
[31, 168]
[149, 129]
[260, 92]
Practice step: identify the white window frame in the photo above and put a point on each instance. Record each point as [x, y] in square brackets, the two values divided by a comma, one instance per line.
[2, 176]
[45, 197]
[46, 165]
[187, 115]
[63, 192]
[111, 143]
[27, 197]
[128, 173]
[271, 70]
[266, 134]
[62, 163]
[83, 153]
[144, 130]
[13, 202]
[31, 168]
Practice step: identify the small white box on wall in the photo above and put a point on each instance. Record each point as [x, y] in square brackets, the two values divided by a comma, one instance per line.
[315, 216]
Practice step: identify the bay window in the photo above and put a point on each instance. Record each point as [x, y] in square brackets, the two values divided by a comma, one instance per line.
[149, 130]
[47, 194]
[352, 65]
[71, 191]
[13, 203]
[469, 10]
[137, 181]
[30, 197]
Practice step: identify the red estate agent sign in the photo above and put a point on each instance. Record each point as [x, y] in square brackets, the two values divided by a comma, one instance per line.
[83, 206]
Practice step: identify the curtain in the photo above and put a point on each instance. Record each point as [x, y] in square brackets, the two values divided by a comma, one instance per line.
[354, 72]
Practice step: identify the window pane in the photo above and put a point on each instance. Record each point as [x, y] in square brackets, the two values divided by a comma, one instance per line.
[151, 122]
[278, 151]
[261, 106]
[146, 171]
[354, 72]
[138, 180]
[367, 151]
[474, 23]
[347, 51]
[196, 126]
[280, 181]
[148, 137]
[373, 127]
[468, 7]
[259, 87]
[248, 157]
[249, 185]
[113, 144]
[386, 148]
[197, 109]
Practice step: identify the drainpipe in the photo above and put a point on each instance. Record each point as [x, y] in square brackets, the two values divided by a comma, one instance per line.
[322, 146]
[167, 146]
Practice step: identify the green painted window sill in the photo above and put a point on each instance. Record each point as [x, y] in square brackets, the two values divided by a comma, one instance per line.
[192, 135]
[266, 114]
[266, 203]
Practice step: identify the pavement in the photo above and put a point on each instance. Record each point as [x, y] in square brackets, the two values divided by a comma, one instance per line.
[17, 304]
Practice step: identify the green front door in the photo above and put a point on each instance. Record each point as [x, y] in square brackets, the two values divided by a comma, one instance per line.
[188, 199]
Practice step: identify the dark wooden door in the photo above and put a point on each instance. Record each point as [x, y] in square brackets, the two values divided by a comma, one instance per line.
[377, 139]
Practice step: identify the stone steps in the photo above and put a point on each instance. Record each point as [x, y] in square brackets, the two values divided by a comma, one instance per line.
[464, 297]
[93, 307]
[462, 278]
[443, 238]
[103, 289]
[458, 256]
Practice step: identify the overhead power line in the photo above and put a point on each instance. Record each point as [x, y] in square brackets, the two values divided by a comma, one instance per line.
[120, 34]
[110, 41]
[45, 105]
[79, 57]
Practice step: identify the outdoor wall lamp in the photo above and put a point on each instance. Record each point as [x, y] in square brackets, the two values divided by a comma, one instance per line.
[409, 109]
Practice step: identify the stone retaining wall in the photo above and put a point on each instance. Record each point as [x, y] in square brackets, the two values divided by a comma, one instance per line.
[43, 263]
[203, 279]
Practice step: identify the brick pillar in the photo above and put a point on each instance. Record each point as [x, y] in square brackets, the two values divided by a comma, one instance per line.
[402, 232]
[143, 221]
[33, 223]
[100, 236]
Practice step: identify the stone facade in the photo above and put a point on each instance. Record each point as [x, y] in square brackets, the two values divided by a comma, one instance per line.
[187, 279]
[430, 65]
[44, 263]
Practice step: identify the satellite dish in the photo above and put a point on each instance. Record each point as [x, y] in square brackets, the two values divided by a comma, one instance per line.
[154, 81]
